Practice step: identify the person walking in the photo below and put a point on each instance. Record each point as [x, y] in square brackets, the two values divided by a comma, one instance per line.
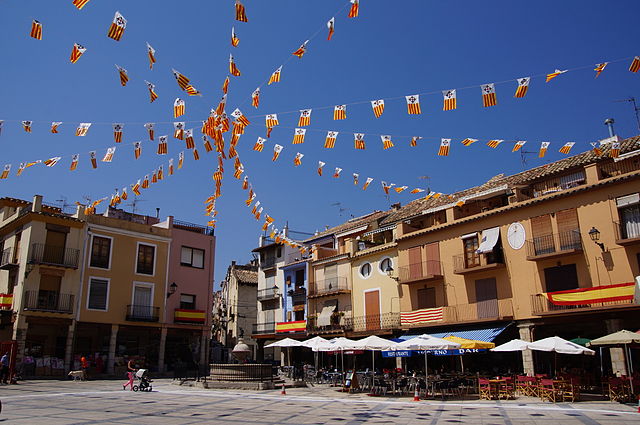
[84, 364]
[4, 374]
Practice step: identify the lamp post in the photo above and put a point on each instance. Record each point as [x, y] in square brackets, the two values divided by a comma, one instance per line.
[389, 272]
[594, 234]
[172, 289]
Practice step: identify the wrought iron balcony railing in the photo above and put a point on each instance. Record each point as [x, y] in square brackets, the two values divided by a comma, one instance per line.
[54, 255]
[329, 286]
[554, 244]
[143, 313]
[49, 301]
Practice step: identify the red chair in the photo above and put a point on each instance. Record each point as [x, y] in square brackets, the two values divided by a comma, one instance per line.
[548, 390]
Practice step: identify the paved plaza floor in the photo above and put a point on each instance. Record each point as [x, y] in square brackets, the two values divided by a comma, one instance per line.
[66, 402]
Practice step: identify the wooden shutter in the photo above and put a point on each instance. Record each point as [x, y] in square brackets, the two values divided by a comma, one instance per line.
[426, 298]
[415, 262]
[433, 259]
[567, 220]
[372, 310]
[541, 225]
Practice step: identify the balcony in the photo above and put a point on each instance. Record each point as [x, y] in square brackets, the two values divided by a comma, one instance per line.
[331, 286]
[483, 311]
[187, 316]
[54, 255]
[627, 233]
[268, 263]
[8, 260]
[340, 323]
[299, 297]
[376, 322]
[268, 294]
[541, 306]
[263, 328]
[294, 257]
[425, 271]
[323, 252]
[465, 264]
[143, 313]
[554, 245]
[49, 301]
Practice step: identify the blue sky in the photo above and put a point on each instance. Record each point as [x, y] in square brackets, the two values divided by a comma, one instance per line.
[392, 49]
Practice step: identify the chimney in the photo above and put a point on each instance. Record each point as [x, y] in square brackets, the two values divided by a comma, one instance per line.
[609, 123]
[36, 206]
[396, 206]
[158, 213]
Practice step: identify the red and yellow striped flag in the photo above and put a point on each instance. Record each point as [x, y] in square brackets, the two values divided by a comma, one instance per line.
[152, 94]
[116, 30]
[241, 14]
[188, 139]
[83, 129]
[615, 150]
[378, 107]
[221, 107]
[336, 172]
[331, 26]
[180, 160]
[245, 183]
[543, 149]
[449, 100]
[275, 77]
[414, 141]
[145, 182]
[117, 132]
[355, 8]
[596, 149]
[240, 117]
[566, 148]
[36, 30]
[74, 162]
[80, 3]
[76, 52]
[320, 168]
[340, 112]
[108, 156]
[233, 68]
[367, 183]
[225, 85]
[137, 149]
[26, 125]
[171, 166]
[554, 74]
[599, 68]
[635, 64]
[301, 50]
[489, 95]
[386, 186]
[444, 147]
[162, 145]
[181, 79]
[150, 128]
[400, 189]
[255, 98]
[359, 141]
[297, 160]
[178, 108]
[259, 145]
[298, 135]
[196, 155]
[271, 120]
[519, 144]
[386, 141]
[417, 190]
[151, 53]
[54, 126]
[468, 141]
[413, 104]
[53, 161]
[124, 77]
[523, 86]
[330, 141]
[206, 143]
[494, 143]
[276, 152]
[234, 38]
[305, 118]
[192, 91]
[93, 159]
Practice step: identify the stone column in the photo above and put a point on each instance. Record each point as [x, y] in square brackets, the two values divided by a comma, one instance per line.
[161, 349]
[68, 351]
[204, 349]
[111, 359]
[20, 328]
[618, 359]
[525, 329]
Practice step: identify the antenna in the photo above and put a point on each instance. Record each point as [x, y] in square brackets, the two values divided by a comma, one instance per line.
[636, 109]
[63, 203]
[428, 179]
[340, 209]
[523, 156]
[134, 203]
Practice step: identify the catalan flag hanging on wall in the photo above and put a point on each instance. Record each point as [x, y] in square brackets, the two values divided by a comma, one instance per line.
[117, 27]
[523, 86]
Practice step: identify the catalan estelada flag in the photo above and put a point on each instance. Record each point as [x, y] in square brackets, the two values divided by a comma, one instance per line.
[489, 95]
[83, 129]
[386, 141]
[116, 30]
[599, 68]
[36, 30]
[355, 8]
[518, 145]
[305, 118]
[234, 38]
[276, 152]
[54, 126]
[320, 168]
[301, 50]
[494, 143]
[271, 120]
[523, 86]
[298, 159]
[150, 128]
[233, 68]
[80, 3]
[162, 145]
[413, 104]
[275, 77]
[543, 149]
[566, 148]
[468, 141]
[359, 141]
[331, 26]
[259, 145]
[554, 74]
[241, 14]
[340, 112]
[330, 141]
[137, 149]
[255, 98]
[117, 132]
[444, 147]
[178, 108]
[151, 53]
[76, 52]
[298, 135]
[635, 64]
[449, 100]
[26, 125]
[124, 77]
[378, 107]
[152, 93]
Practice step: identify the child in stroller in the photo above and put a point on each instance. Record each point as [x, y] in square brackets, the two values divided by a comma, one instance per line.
[142, 375]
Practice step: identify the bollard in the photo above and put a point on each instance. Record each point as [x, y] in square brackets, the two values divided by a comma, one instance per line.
[416, 395]
[284, 390]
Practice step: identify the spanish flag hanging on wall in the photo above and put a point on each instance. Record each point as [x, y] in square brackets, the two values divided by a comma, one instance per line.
[76, 52]
[413, 104]
[444, 147]
[449, 100]
[543, 149]
[116, 30]
[330, 141]
[340, 112]
[378, 107]
[523, 86]
[36, 30]
[489, 95]
[359, 141]
[596, 294]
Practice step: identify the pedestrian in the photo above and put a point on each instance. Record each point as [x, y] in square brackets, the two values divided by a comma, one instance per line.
[4, 374]
[84, 364]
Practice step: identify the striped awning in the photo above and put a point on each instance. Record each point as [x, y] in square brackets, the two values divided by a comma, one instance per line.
[478, 334]
[379, 230]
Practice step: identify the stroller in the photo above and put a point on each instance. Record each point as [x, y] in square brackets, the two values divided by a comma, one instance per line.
[144, 384]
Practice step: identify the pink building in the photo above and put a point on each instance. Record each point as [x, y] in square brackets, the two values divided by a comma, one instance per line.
[190, 296]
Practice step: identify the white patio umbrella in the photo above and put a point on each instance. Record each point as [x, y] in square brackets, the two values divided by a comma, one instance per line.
[373, 343]
[559, 345]
[312, 343]
[513, 345]
[426, 342]
[336, 344]
[285, 343]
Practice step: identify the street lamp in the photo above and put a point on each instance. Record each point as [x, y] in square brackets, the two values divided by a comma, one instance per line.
[172, 289]
[594, 234]
[389, 272]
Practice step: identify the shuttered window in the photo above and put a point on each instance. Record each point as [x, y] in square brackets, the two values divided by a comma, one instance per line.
[427, 298]
[98, 290]
[567, 220]
[541, 225]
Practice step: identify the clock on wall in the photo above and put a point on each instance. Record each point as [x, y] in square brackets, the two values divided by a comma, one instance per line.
[516, 235]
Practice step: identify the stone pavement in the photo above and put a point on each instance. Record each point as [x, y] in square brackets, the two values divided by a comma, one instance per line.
[66, 402]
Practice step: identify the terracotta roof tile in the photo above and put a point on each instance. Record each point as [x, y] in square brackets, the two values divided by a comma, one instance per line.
[246, 276]
[351, 224]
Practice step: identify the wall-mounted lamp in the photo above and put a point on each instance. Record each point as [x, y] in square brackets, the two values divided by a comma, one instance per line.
[172, 289]
[389, 272]
[594, 234]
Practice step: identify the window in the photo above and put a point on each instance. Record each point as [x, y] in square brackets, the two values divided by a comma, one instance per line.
[629, 213]
[299, 278]
[187, 302]
[146, 256]
[100, 252]
[98, 294]
[192, 257]
[561, 278]
[471, 258]
[426, 298]
[386, 264]
[365, 270]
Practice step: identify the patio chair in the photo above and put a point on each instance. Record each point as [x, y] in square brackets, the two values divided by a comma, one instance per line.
[571, 389]
[548, 390]
[533, 388]
[485, 389]
[506, 389]
[521, 385]
[617, 390]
